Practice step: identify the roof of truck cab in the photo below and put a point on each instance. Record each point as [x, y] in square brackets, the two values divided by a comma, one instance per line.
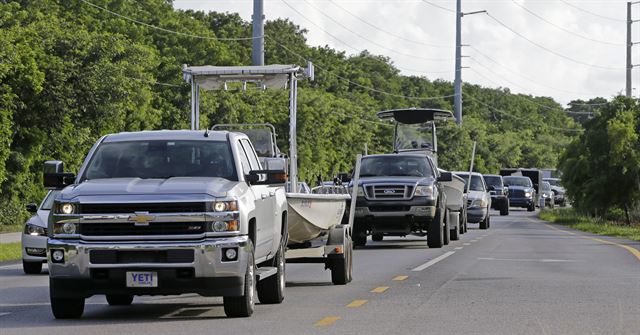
[191, 135]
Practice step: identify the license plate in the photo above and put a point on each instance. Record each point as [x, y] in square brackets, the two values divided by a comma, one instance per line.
[142, 279]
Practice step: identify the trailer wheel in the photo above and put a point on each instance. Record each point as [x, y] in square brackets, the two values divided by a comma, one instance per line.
[271, 289]
[341, 267]
[446, 237]
[457, 230]
[435, 238]
[359, 235]
[243, 306]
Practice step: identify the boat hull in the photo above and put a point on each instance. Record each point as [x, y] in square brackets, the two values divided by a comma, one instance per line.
[454, 190]
[310, 215]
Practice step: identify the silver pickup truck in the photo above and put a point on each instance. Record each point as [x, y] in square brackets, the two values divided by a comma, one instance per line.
[163, 213]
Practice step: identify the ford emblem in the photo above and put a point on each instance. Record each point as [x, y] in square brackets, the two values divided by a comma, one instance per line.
[389, 191]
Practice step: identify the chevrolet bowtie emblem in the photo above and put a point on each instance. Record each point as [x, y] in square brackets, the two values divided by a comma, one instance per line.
[141, 218]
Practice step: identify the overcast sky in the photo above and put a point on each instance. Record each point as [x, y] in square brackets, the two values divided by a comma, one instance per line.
[576, 48]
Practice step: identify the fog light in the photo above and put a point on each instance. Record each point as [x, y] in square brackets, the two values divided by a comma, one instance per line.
[231, 254]
[69, 228]
[57, 256]
[219, 226]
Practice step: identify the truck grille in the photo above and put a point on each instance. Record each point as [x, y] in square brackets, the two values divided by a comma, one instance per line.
[130, 229]
[516, 193]
[180, 207]
[389, 192]
[138, 256]
[389, 208]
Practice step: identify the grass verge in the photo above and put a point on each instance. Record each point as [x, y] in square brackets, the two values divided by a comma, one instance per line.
[568, 217]
[10, 228]
[10, 251]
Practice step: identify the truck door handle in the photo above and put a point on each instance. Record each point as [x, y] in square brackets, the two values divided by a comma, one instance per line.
[271, 194]
[263, 196]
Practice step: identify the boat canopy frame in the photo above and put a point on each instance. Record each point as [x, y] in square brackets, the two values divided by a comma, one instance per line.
[275, 76]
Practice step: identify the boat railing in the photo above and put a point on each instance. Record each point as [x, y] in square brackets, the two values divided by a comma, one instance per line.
[330, 189]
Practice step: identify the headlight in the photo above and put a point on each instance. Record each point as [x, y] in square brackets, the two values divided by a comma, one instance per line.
[65, 208]
[527, 194]
[223, 206]
[478, 203]
[424, 191]
[544, 195]
[65, 228]
[33, 230]
[223, 226]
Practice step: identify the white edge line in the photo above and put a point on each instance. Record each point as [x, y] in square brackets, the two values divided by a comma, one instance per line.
[433, 261]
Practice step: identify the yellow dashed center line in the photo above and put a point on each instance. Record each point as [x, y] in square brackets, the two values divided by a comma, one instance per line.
[328, 321]
[380, 289]
[399, 278]
[357, 303]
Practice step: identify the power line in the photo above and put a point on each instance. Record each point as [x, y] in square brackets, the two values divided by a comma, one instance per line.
[358, 34]
[550, 50]
[517, 117]
[167, 30]
[438, 6]
[386, 32]
[372, 89]
[592, 13]
[563, 28]
[526, 77]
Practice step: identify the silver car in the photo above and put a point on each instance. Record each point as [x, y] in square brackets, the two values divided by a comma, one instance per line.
[34, 235]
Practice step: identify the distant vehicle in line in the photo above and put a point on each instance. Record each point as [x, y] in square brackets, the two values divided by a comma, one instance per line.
[558, 191]
[547, 194]
[521, 192]
[534, 174]
[478, 199]
[34, 235]
[499, 193]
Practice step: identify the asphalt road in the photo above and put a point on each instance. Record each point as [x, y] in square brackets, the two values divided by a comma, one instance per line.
[522, 276]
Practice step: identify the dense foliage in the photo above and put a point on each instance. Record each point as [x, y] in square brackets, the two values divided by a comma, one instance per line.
[71, 72]
[601, 168]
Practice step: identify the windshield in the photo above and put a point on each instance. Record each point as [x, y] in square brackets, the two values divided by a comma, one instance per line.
[262, 141]
[517, 181]
[410, 136]
[395, 166]
[476, 182]
[162, 159]
[48, 200]
[494, 181]
[554, 182]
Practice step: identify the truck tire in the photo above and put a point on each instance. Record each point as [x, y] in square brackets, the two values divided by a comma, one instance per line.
[31, 268]
[64, 308]
[271, 289]
[341, 267]
[119, 299]
[243, 306]
[531, 208]
[435, 236]
[504, 210]
[359, 235]
[484, 224]
[377, 237]
[446, 237]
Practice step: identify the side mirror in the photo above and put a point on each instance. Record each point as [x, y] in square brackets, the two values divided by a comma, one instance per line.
[506, 190]
[273, 177]
[445, 176]
[54, 176]
[491, 188]
[32, 208]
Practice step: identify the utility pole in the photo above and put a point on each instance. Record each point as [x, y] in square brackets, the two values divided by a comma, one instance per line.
[457, 84]
[630, 44]
[257, 54]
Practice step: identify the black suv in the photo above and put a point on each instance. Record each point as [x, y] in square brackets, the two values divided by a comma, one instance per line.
[399, 195]
[499, 193]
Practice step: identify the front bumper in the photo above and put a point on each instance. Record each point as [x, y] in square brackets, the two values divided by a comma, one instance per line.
[34, 248]
[395, 217]
[87, 271]
[476, 214]
[520, 202]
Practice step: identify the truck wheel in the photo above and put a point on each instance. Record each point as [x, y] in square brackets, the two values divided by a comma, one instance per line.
[377, 237]
[505, 208]
[484, 224]
[446, 237]
[341, 266]
[531, 208]
[67, 308]
[31, 268]
[243, 306]
[435, 238]
[119, 299]
[271, 289]
[359, 235]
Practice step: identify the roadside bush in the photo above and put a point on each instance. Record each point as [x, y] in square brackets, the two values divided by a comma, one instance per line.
[12, 213]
